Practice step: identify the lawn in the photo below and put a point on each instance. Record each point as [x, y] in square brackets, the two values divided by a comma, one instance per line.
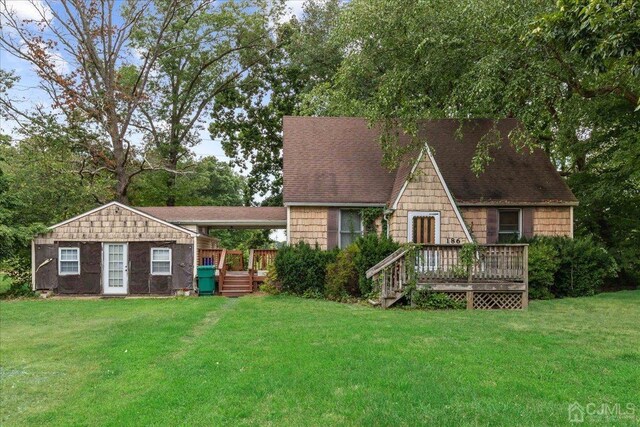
[289, 361]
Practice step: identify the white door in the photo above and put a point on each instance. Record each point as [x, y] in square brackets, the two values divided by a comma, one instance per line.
[424, 229]
[115, 271]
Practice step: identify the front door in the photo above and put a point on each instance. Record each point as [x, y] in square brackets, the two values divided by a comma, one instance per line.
[424, 229]
[115, 271]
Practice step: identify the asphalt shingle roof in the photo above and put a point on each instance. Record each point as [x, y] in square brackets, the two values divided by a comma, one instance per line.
[337, 160]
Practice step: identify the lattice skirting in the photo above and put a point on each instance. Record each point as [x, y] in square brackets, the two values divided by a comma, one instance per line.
[497, 300]
[457, 296]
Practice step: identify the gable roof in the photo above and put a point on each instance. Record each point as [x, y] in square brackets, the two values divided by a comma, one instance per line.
[129, 208]
[337, 160]
[333, 160]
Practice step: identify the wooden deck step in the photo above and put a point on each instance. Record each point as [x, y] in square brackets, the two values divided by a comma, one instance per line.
[236, 283]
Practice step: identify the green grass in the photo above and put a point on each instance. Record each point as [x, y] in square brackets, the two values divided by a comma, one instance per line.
[290, 361]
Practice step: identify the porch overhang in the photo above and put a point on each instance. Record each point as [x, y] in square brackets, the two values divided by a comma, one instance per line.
[234, 224]
[225, 217]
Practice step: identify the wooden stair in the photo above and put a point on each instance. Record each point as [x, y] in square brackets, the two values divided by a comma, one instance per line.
[236, 284]
[389, 300]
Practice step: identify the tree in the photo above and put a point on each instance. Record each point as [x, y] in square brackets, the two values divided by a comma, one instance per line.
[104, 85]
[567, 72]
[602, 41]
[208, 182]
[40, 186]
[208, 48]
[248, 117]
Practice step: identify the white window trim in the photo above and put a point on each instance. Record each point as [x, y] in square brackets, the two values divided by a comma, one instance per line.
[68, 273]
[340, 225]
[170, 262]
[520, 228]
[413, 214]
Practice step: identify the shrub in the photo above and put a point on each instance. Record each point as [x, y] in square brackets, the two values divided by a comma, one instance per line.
[301, 268]
[427, 300]
[543, 265]
[584, 267]
[342, 276]
[271, 285]
[18, 272]
[373, 249]
[312, 294]
[564, 267]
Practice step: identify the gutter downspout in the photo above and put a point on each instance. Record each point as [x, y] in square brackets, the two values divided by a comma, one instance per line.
[385, 218]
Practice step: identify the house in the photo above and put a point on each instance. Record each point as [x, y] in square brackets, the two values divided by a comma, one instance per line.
[332, 171]
[121, 250]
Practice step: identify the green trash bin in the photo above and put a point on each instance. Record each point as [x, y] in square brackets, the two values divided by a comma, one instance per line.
[206, 279]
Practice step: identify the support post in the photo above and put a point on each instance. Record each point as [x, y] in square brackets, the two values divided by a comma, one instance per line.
[525, 294]
[469, 300]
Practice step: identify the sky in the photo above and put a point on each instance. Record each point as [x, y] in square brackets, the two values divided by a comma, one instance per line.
[30, 95]
[27, 88]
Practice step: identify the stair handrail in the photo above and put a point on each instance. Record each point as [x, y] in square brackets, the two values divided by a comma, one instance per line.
[222, 268]
[250, 266]
[395, 256]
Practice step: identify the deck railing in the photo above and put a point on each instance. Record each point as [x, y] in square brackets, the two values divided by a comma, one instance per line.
[488, 263]
[210, 257]
[443, 265]
[260, 259]
[235, 260]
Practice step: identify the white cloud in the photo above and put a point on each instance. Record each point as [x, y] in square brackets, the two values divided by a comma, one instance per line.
[292, 8]
[28, 10]
[59, 63]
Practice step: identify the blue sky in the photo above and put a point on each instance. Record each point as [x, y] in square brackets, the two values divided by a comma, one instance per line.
[27, 88]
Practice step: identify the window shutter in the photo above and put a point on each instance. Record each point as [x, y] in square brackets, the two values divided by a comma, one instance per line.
[332, 227]
[527, 222]
[492, 226]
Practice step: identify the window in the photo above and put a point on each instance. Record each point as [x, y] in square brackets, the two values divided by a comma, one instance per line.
[161, 261]
[509, 229]
[68, 261]
[350, 226]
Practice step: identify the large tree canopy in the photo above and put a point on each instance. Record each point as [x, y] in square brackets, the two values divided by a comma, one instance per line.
[568, 71]
[248, 117]
[134, 70]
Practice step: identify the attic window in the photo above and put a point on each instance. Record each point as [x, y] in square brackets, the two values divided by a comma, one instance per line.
[509, 225]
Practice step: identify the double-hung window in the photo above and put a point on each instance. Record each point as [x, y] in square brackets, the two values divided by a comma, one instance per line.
[509, 225]
[350, 226]
[161, 261]
[68, 261]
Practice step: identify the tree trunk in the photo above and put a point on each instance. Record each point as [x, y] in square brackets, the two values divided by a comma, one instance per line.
[172, 165]
[120, 159]
[171, 185]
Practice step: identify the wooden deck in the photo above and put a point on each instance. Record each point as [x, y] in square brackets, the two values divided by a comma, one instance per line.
[231, 277]
[496, 277]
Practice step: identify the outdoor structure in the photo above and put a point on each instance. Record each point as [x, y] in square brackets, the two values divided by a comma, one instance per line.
[120, 250]
[114, 250]
[333, 169]
[332, 172]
